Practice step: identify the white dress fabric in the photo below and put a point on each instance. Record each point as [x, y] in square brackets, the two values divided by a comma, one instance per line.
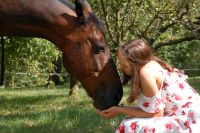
[181, 104]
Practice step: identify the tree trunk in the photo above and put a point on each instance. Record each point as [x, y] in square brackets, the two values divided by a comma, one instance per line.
[57, 70]
[2, 63]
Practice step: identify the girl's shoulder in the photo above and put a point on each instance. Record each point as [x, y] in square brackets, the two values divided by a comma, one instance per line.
[151, 79]
[153, 68]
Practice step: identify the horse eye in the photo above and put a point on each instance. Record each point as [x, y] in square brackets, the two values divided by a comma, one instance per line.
[98, 48]
[101, 48]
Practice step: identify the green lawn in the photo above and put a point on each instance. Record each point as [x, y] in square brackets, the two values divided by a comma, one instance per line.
[42, 110]
[195, 82]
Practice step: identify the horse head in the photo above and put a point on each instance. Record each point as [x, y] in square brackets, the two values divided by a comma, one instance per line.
[77, 32]
[88, 58]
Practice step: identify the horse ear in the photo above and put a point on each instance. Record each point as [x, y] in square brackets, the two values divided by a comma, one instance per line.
[82, 9]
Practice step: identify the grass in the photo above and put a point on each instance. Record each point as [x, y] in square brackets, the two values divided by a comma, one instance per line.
[195, 82]
[42, 110]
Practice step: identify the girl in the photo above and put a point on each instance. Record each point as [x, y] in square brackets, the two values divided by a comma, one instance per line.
[166, 103]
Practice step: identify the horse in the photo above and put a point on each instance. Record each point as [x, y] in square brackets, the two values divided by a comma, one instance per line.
[77, 32]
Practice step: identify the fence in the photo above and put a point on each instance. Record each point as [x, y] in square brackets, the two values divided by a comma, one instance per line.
[21, 79]
[41, 79]
[192, 72]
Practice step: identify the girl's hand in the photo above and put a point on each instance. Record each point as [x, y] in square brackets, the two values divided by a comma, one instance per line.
[109, 113]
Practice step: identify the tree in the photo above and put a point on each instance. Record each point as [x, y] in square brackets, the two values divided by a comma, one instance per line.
[162, 23]
[28, 61]
[2, 77]
[57, 69]
[185, 56]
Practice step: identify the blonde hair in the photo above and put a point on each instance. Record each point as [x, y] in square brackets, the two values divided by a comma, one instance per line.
[138, 52]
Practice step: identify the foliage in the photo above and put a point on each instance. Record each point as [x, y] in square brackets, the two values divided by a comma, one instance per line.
[28, 61]
[183, 56]
[162, 23]
[156, 21]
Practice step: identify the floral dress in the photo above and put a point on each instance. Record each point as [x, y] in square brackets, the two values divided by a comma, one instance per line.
[181, 104]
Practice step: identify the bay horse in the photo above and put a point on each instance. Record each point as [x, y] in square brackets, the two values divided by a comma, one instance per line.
[79, 35]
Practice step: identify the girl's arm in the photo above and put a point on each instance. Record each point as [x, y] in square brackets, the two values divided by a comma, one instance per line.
[130, 111]
[149, 78]
[137, 112]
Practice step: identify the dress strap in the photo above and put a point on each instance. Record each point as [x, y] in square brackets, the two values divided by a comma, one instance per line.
[162, 80]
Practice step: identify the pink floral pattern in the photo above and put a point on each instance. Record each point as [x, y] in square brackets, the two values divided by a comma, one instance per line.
[134, 126]
[181, 104]
[146, 104]
[121, 129]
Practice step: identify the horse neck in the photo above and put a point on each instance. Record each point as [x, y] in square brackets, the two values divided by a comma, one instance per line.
[48, 19]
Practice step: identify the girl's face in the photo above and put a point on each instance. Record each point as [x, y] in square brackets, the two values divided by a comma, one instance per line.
[123, 65]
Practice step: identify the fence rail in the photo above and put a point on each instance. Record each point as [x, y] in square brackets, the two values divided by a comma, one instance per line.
[22, 79]
[29, 79]
[192, 72]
